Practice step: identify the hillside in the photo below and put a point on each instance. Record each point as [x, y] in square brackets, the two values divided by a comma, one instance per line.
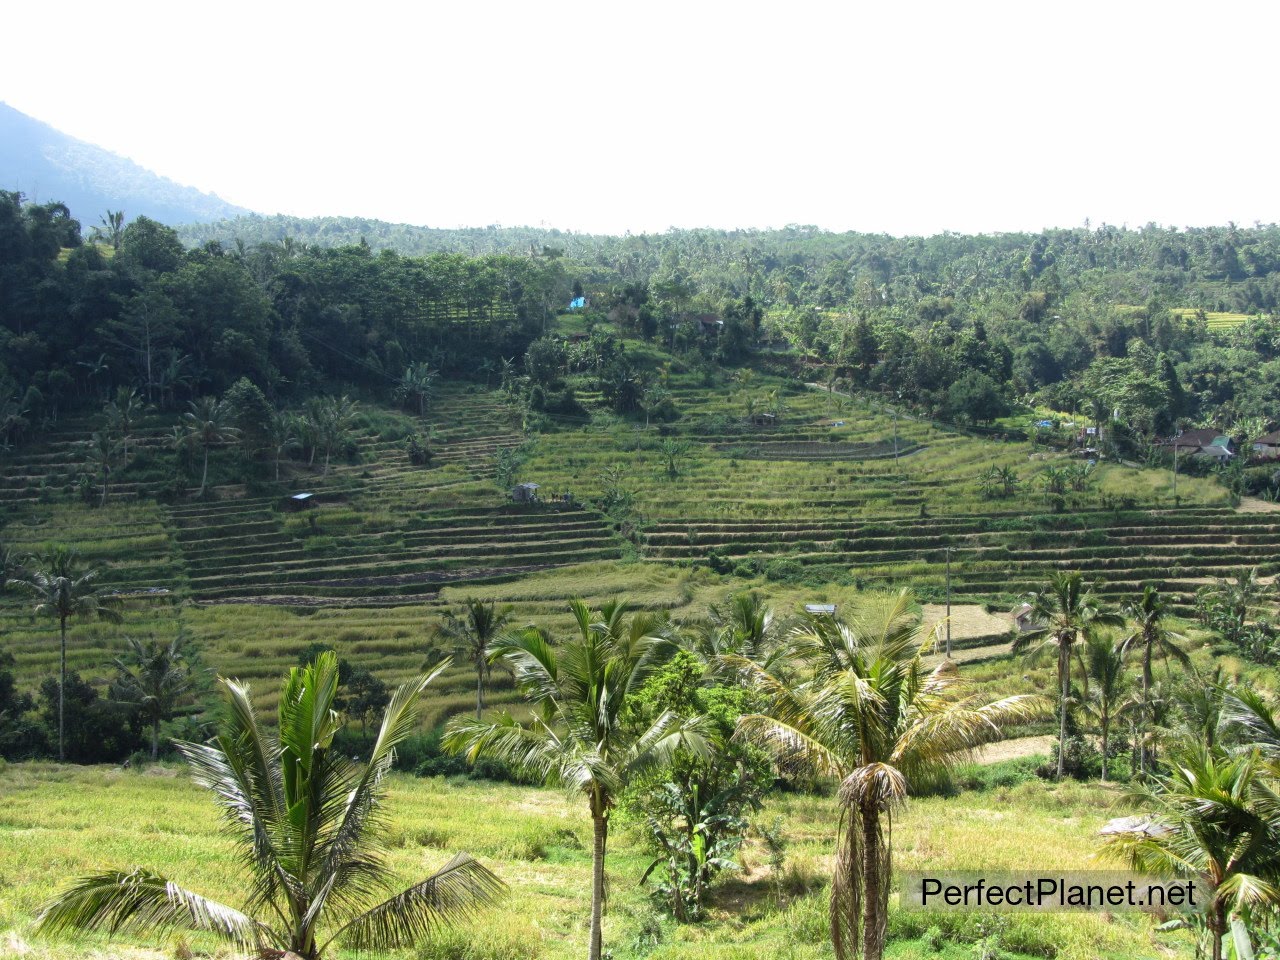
[46, 165]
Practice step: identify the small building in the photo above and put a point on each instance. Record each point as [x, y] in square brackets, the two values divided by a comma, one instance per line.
[1024, 620]
[524, 492]
[1138, 826]
[820, 609]
[1267, 447]
[764, 419]
[709, 324]
[297, 502]
[1201, 443]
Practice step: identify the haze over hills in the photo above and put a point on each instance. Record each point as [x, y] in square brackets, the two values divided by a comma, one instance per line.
[46, 164]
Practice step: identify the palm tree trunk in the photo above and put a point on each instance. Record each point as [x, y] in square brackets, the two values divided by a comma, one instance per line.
[204, 477]
[155, 738]
[1146, 706]
[1064, 687]
[62, 687]
[597, 885]
[1217, 927]
[1106, 730]
[479, 691]
[875, 884]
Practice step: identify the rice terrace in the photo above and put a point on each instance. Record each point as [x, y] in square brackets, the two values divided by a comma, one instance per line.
[513, 593]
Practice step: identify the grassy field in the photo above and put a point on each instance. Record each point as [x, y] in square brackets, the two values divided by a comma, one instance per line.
[1216, 320]
[59, 822]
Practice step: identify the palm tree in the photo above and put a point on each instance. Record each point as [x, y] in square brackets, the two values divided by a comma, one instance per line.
[417, 383]
[1148, 613]
[157, 677]
[332, 419]
[1106, 683]
[307, 820]
[283, 435]
[473, 631]
[62, 590]
[1066, 608]
[1216, 819]
[745, 627]
[208, 423]
[578, 737]
[867, 713]
[101, 453]
[123, 414]
[1230, 603]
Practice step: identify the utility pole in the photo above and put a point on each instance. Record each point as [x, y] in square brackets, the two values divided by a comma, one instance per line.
[948, 603]
[1175, 471]
[895, 438]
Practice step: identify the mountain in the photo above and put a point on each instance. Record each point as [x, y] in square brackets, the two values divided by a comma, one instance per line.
[46, 164]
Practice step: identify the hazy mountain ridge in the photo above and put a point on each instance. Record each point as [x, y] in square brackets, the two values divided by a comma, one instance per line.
[47, 165]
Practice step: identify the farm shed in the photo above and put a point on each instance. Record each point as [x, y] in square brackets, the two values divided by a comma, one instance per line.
[1023, 621]
[297, 501]
[1201, 443]
[764, 419]
[1140, 825]
[524, 492]
[820, 609]
[1267, 447]
[709, 323]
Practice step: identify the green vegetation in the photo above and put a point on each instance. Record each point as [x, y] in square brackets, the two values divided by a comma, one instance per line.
[280, 457]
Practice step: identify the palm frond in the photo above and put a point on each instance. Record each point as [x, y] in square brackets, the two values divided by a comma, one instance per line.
[140, 901]
[454, 893]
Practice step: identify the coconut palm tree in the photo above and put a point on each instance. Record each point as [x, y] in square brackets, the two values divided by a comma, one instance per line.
[865, 711]
[308, 822]
[208, 424]
[123, 414]
[332, 419]
[474, 630]
[283, 435]
[157, 677]
[1106, 683]
[63, 590]
[417, 383]
[1215, 818]
[1066, 608]
[1151, 633]
[578, 738]
[745, 627]
[101, 454]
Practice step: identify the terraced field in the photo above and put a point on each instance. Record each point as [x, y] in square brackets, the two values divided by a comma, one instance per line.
[390, 546]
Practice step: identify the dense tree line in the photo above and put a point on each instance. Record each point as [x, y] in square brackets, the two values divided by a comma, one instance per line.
[137, 310]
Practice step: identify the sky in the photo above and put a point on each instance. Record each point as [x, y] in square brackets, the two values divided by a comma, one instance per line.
[898, 117]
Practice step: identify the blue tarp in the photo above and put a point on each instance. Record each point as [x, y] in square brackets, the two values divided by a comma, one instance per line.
[577, 303]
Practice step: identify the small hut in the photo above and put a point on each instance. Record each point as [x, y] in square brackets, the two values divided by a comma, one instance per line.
[820, 609]
[1024, 620]
[298, 502]
[524, 492]
[764, 419]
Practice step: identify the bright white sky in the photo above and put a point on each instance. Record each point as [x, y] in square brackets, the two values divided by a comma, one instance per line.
[607, 116]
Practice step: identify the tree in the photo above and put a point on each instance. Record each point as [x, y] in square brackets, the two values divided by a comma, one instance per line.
[366, 696]
[473, 631]
[208, 423]
[1219, 823]
[122, 415]
[1229, 603]
[250, 414]
[577, 739]
[157, 677]
[333, 419]
[1152, 635]
[101, 454]
[976, 396]
[307, 821]
[1066, 608]
[282, 436]
[416, 384]
[1107, 683]
[866, 712]
[673, 453]
[62, 590]
[111, 228]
